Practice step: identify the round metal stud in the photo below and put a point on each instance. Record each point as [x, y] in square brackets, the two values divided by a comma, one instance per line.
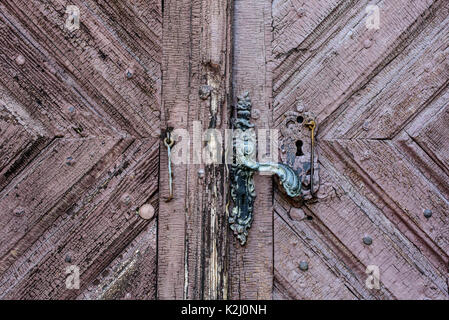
[126, 199]
[297, 214]
[366, 125]
[427, 213]
[304, 266]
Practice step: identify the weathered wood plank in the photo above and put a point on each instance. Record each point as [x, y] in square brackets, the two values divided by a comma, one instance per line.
[192, 246]
[58, 194]
[132, 274]
[372, 84]
[279, 292]
[41, 87]
[425, 153]
[433, 137]
[55, 171]
[89, 226]
[138, 27]
[319, 33]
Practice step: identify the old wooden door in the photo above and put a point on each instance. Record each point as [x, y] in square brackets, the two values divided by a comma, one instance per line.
[85, 172]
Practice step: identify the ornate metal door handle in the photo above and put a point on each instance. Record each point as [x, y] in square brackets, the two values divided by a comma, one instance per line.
[244, 165]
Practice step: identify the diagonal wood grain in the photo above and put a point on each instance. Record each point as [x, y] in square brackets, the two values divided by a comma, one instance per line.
[193, 260]
[252, 265]
[22, 138]
[93, 61]
[322, 81]
[294, 22]
[381, 146]
[333, 271]
[401, 90]
[345, 211]
[432, 136]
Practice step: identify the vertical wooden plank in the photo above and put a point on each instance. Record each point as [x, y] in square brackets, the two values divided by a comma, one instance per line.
[192, 241]
[252, 265]
[377, 178]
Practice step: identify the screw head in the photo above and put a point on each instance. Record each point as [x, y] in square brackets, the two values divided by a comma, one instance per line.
[129, 73]
[427, 213]
[367, 240]
[126, 199]
[20, 60]
[304, 266]
[365, 125]
[19, 212]
[68, 259]
[255, 114]
[297, 214]
[201, 173]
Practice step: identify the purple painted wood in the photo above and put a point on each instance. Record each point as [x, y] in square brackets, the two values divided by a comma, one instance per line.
[81, 118]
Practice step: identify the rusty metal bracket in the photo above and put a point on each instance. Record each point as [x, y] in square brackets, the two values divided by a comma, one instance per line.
[244, 165]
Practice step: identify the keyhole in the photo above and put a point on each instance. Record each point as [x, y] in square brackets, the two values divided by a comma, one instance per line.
[299, 148]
